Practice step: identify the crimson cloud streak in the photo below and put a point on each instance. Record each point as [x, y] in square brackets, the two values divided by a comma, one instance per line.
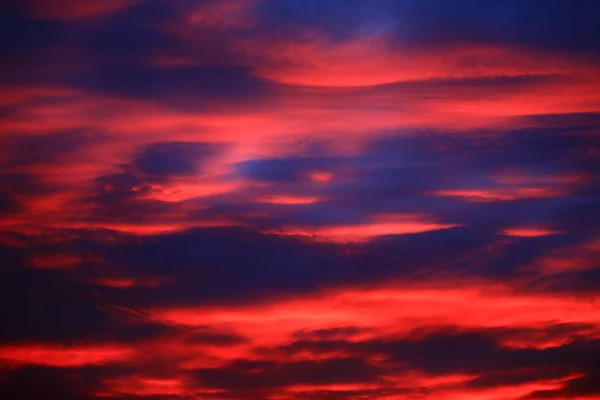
[300, 199]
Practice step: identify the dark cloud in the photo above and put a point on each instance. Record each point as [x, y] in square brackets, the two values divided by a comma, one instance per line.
[191, 87]
[50, 148]
[288, 170]
[93, 252]
[118, 54]
[557, 24]
[120, 195]
[455, 352]
[403, 174]
[586, 387]
[51, 306]
[8, 204]
[50, 384]
[21, 34]
[227, 265]
[265, 374]
[172, 159]
[220, 265]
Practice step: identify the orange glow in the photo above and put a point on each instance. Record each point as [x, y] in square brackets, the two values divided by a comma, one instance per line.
[141, 386]
[290, 200]
[382, 225]
[186, 191]
[132, 228]
[529, 232]
[56, 261]
[359, 233]
[124, 282]
[480, 195]
[319, 176]
[58, 356]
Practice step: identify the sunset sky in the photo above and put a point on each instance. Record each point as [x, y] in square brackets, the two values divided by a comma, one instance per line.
[300, 199]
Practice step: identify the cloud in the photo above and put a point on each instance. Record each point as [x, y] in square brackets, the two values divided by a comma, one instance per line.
[62, 356]
[48, 306]
[429, 24]
[299, 199]
[252, 375]
[69, 9]
[172, 159]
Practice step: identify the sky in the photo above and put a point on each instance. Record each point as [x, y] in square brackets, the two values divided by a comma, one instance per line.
[300, 199]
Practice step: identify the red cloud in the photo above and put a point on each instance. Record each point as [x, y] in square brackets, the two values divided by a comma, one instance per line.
[74, 9]
[64, 356]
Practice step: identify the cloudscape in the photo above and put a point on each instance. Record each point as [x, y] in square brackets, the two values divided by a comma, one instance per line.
[300, 199]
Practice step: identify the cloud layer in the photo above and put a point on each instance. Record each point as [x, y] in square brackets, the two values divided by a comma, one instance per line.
[281, 199]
